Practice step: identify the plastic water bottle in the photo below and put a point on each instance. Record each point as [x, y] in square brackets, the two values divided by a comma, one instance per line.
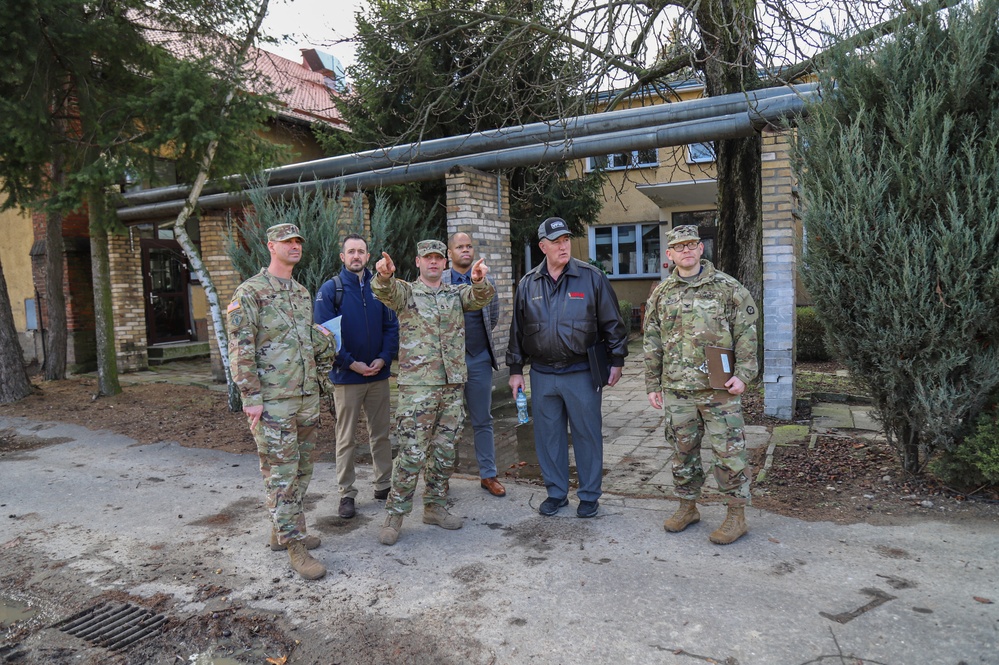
[522, 416]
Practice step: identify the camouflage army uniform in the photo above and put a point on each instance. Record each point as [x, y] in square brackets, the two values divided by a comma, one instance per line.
[277, 356]
[682, 317]
[431, 381]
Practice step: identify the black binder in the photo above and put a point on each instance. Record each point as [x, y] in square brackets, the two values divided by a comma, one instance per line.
[599, 364]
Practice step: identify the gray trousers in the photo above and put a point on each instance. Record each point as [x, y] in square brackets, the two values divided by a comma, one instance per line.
[478, 403]
[561, 401]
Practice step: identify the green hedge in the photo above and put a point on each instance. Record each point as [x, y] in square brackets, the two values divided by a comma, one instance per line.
[974, 463]
[625, 308]
[811, 337]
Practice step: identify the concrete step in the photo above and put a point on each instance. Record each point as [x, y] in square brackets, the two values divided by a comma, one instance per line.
[164, 353]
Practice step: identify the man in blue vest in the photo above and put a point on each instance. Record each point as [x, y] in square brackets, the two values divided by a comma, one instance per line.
[370, 340]
[480, 360]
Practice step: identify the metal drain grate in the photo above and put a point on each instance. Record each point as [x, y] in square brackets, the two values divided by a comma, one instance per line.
[112, 626]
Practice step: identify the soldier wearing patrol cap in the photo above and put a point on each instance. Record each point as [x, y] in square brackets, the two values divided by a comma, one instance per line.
[279, 360]
[431, 379]
[698, 306]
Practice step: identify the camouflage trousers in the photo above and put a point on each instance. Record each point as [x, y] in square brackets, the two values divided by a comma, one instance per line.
[715, 415]
[286, 440]
[427, 420]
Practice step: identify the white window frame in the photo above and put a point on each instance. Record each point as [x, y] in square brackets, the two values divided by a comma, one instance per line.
[614, 165]
[701, 153]
[639, 251]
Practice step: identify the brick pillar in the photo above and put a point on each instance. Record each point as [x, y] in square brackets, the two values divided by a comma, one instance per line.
[478, 203]
[127, 302]
[355, 206]
[215, 226]
[779, 277]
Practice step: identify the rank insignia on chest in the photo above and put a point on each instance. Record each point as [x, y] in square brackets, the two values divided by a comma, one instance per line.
[576, 295]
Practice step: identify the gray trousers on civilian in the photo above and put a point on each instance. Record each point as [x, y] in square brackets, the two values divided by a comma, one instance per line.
[375, 399]
[561, 401]
[478, 404]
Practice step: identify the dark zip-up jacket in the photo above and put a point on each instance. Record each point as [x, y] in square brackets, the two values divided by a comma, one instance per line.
[489, 313]
[369, 329]
[555, 322]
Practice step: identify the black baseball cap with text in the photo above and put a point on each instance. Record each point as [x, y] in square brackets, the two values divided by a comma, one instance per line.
[553, 227]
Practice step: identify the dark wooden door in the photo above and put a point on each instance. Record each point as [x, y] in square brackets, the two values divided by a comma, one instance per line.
[165, 277]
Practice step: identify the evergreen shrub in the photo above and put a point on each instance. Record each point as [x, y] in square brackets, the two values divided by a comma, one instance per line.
[324, 220]
[625, 307]
[898, 170]
[811, 345]
[974, 463]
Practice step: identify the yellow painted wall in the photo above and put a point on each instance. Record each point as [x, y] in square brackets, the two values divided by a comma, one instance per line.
[299, 139]
[16, 238]
[623, 203]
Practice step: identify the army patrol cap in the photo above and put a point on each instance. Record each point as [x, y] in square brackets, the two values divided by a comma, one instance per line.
[425, 247]
[680, 234]
[280, 232]
[553, 227]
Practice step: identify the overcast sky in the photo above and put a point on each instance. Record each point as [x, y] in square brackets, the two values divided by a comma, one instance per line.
[321, 24]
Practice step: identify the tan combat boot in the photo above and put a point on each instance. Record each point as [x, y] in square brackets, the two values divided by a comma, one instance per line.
[311, 542]
[733, 528]
[390, 530]
[434, 514]
[684, 516]
[303, 563]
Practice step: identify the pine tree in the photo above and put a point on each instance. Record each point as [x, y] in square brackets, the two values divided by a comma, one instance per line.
[463, 82]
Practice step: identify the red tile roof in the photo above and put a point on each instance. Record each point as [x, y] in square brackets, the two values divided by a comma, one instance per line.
[303, 93]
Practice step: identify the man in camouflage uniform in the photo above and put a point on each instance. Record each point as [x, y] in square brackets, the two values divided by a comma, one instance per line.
[695, 307]
[431, 379]
[278, 358]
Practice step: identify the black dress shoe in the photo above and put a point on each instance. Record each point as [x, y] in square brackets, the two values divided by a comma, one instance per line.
[551, 505]
[587, 508]
[346, 508]
[381, 495]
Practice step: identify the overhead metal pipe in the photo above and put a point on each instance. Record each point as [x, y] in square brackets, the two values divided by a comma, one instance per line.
[495, 139]
[728, 126]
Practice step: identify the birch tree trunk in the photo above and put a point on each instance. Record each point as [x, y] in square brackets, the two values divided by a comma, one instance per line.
[180, 224]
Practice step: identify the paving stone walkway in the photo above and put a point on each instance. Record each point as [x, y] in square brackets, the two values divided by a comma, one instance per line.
[637, 460]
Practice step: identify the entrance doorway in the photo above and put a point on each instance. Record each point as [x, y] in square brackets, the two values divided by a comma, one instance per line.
[166, 279]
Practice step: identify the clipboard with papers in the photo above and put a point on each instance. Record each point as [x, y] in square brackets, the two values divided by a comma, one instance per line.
[721, 366]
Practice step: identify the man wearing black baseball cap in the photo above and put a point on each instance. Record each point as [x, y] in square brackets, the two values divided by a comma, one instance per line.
[563, 307]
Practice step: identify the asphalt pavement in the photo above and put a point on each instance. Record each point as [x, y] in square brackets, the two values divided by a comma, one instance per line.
[511, 586]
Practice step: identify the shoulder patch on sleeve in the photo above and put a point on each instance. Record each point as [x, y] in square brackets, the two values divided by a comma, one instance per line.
[233, 306]
[325, 331]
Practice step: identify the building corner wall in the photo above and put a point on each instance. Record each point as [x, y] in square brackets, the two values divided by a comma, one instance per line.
[127, 302]
[215, 226]
[478, 203]
[779, 276]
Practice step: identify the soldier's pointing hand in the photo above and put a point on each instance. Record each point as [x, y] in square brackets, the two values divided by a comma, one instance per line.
[385, 266]
[479, 271]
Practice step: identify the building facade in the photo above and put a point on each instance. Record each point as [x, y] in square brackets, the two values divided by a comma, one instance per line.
[158, 305]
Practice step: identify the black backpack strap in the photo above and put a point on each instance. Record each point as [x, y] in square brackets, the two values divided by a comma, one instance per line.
[338, 295]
